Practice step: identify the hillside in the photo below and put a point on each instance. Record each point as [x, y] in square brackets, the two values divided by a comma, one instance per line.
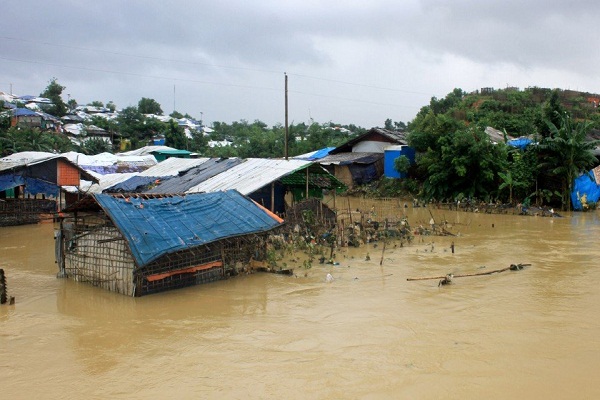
[518, 112]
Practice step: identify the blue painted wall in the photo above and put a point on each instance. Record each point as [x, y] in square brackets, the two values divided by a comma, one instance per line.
[393, 152]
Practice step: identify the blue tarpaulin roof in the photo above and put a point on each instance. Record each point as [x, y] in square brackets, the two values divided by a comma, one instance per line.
[154, 227]
[24, 112]
[585, 185]
[320, 153]
[520, 143]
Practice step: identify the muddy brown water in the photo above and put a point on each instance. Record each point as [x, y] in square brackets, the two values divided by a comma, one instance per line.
[368, 334]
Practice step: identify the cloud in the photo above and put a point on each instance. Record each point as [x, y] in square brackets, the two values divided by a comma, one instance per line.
[353, 62]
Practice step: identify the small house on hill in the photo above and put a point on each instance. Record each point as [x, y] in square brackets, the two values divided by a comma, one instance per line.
[142, 244]
[361, 160]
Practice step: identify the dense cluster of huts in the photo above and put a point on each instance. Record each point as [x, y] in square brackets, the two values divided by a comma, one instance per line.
[159, 218]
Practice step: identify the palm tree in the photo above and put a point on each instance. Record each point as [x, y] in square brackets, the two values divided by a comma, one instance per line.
[566, 152]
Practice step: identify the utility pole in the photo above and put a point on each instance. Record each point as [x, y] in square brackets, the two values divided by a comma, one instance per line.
[286, 118]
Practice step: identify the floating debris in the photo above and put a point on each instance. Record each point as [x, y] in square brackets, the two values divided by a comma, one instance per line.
[512, 267]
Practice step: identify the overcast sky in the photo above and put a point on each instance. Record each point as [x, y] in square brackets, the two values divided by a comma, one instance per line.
[348, 62]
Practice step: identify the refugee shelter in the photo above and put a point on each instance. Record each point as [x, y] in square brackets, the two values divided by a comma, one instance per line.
[361, 160]
[267, 181]
[141, 244]
[586, 190]
[32, 184]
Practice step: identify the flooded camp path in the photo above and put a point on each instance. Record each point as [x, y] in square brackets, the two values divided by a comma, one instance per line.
[368, 334]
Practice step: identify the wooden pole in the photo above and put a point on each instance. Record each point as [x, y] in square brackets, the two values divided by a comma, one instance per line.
[286, 118]
[519, 266]
[306, 183]
[384, 241]
[272, 196]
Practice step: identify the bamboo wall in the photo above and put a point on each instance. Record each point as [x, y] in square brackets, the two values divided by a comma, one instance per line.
[100, 257]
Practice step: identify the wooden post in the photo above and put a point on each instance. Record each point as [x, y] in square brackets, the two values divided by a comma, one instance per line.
[286, 118]
[306, 183]
[272, 196]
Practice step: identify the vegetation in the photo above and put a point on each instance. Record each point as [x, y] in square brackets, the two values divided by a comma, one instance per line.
[455, 157]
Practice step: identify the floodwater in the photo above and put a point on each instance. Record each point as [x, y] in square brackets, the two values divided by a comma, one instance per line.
[368, 334]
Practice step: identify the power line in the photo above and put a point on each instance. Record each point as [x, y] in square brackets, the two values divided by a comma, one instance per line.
[136, 74]
[390, 89]
[140, 56]
[198, 81]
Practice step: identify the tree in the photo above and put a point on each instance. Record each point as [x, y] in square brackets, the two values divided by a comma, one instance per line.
[175, 136]
[53, 93]
[94, 146]
[552, 112]
[149, 106]
[402, 164]
[566, 152]
[464, 163]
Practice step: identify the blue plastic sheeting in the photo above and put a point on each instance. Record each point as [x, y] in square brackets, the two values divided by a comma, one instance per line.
[37, 186]
[520, 143]
[321, 153]
[155, 227]
[134, 184]
[362, 174]
[24, 112]
[10, 181]
[585, 185]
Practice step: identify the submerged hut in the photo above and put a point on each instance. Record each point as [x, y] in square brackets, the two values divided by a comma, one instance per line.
[142, 244]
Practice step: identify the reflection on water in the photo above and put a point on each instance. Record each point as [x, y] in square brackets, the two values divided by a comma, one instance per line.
[369, 333]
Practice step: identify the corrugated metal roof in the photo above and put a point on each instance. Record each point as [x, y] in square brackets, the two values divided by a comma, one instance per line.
[154, 227]
[144, 151]
[350, 158]
[173, 166]
[196, 175]
[250, 175]
[25, 158]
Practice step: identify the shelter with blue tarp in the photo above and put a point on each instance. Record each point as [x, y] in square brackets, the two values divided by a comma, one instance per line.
[31, 186]
[585, 191]
[146, 243]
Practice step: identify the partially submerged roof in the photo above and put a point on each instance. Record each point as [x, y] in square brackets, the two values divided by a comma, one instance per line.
[157, 225]
[251, 175]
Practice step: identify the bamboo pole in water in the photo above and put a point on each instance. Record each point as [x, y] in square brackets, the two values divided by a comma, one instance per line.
[512, 267]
